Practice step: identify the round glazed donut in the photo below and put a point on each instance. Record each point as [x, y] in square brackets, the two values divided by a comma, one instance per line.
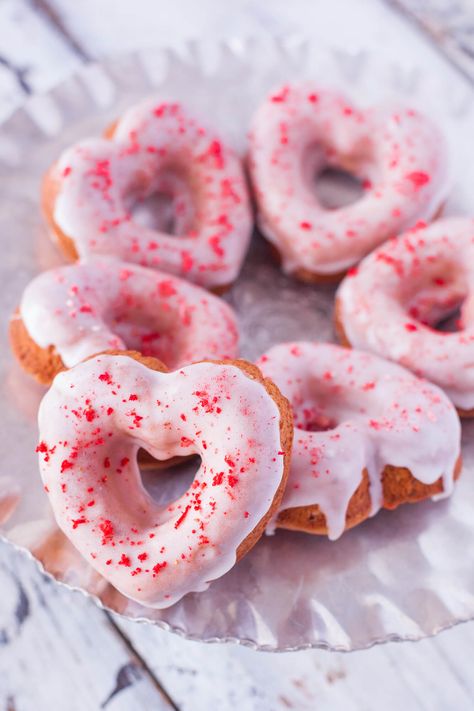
[70, 313]
[90, 193]
[392, 303]
[92, 422]
[368, 434]
[398, 155]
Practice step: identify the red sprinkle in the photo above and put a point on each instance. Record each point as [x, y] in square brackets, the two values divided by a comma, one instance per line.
[182, 517]
[125, 560]
[107, 531]
[159, 567]
[77, 522]
[166, 288]
[418, 178]
[282, 96]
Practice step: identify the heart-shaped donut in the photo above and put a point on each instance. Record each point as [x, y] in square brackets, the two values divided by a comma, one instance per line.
[392, 304]
[92, 422]
[92, 194]
[70, 313]
[398, 155]
[368, 434]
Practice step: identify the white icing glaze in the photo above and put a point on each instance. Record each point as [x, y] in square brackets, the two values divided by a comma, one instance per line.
[373, 412]
[398, 154]
[105, 304]
[92, 422]
[390, 303]
[157, 147]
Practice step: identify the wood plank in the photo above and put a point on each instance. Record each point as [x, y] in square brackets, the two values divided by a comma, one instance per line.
[58, 650]
[391, 676]
[449, 26]
[130, 24]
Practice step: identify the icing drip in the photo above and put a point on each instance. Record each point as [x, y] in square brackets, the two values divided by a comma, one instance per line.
[105, 304]
[355, 411]
[391, 304]
[92, 422]
[398, 155]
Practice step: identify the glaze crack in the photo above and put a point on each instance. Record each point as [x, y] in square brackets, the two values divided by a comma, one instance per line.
[19, 73]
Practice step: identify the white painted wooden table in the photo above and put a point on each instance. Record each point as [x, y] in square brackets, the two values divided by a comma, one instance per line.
[57, 649]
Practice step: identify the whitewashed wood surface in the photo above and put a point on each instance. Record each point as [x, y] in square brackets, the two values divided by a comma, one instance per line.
[58, 651]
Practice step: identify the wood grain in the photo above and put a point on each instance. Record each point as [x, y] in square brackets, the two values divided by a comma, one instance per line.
[57, 645]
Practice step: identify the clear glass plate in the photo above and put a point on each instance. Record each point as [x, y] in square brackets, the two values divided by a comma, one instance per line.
[402, 575]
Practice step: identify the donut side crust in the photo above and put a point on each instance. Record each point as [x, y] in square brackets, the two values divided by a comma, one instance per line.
[42, 363]
[399, 487]
[49, 193]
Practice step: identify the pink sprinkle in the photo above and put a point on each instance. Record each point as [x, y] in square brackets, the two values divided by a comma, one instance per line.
[418, 178]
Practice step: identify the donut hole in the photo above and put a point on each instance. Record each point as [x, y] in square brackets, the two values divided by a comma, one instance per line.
[169, 481]
[324, 405]
[336, 187]
[150, 331]
[335, 180]
[440, 301]
[314, 415]
[156, 212]
[165, 205]
[450, 322]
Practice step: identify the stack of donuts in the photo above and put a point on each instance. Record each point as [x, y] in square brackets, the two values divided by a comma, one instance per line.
[141, 354]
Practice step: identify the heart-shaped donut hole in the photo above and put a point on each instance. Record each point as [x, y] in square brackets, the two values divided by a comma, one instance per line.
[167, 481]
[165, 204]
[437, 298]
[336, 188]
